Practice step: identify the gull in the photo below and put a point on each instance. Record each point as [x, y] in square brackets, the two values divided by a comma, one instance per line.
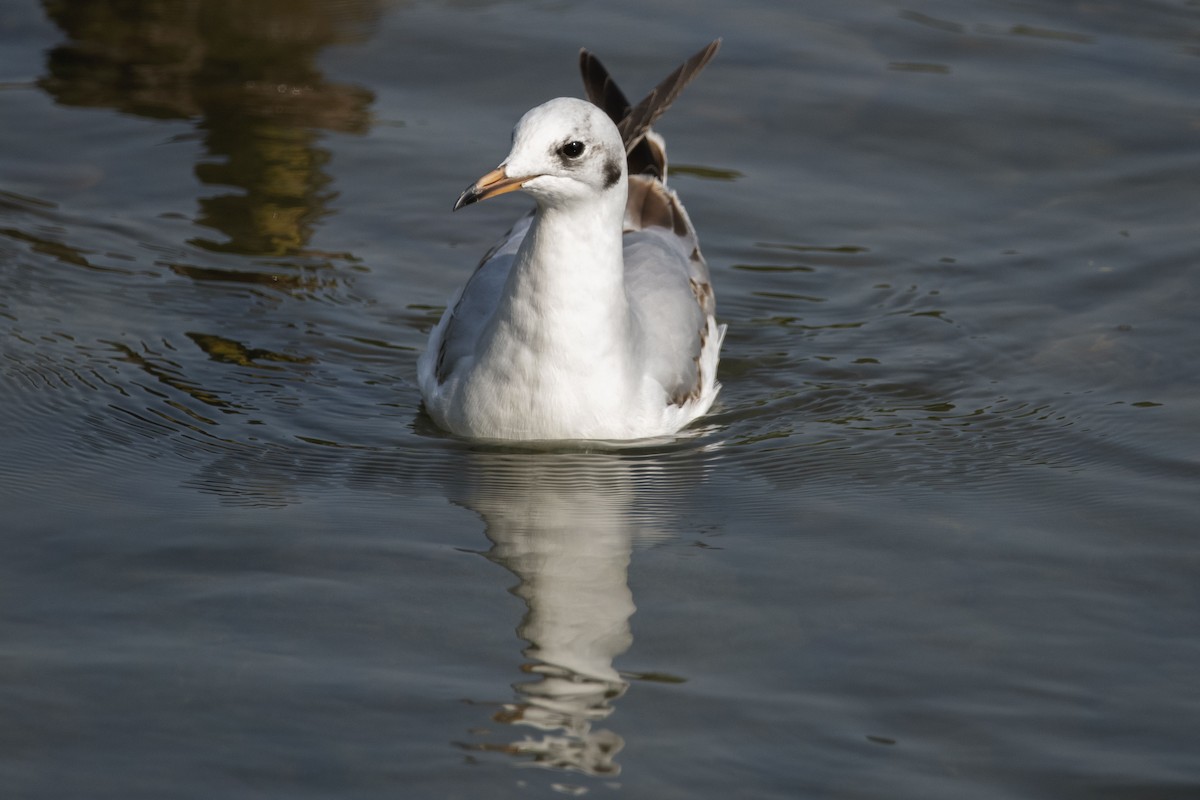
[593, 317]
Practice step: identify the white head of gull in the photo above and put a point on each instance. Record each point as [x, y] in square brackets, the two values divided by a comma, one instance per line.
[593, 318]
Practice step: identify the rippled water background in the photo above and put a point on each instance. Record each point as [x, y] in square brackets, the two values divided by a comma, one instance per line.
[939, 539]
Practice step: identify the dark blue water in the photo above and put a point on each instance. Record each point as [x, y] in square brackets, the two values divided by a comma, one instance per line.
[938, 538]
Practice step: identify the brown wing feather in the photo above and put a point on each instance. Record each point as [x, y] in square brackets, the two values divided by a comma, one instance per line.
[652, 205]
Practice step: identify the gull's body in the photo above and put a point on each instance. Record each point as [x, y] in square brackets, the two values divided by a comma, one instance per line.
[593, 317]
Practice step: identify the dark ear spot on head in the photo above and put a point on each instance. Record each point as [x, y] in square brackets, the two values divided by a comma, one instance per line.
[612, 173]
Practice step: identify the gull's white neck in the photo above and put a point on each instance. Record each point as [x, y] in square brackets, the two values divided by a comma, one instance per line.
[557, 348]
[569, 274]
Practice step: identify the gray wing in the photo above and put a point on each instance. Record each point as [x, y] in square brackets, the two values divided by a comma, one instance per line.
[471, 311]
[667, 282]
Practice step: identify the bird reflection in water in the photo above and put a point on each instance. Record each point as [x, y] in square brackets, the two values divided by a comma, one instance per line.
[245, 71]
[565, 525]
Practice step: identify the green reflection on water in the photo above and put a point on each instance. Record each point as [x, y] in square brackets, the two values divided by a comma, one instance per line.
[245, 72]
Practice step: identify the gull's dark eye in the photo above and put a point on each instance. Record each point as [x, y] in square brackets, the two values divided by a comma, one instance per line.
[571, 149]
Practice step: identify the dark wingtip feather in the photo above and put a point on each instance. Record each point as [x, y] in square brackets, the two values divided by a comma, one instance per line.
[633, 123]
[601, 89]
[633, 126]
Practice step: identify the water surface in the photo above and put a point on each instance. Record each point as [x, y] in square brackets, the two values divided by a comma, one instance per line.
[938, 538]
